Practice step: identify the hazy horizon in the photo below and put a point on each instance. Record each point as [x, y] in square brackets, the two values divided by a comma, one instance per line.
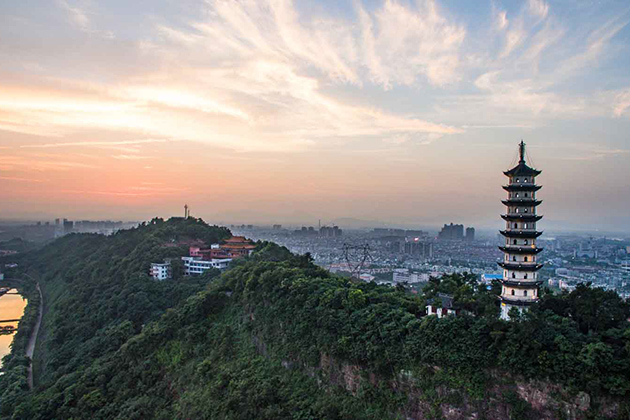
[400, 112]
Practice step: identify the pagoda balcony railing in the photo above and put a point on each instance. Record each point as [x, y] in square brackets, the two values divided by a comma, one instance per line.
[516, 249]
[520, 233]
[519, 300]
[520, 266]
[521, 283]
[521, 217]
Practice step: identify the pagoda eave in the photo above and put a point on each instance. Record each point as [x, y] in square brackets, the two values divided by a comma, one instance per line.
[521, 217]
[517, 302]
[522, 170]
[520, 267]
[528, 250]
[521, 203]
[522, 187]
[521, 284]
[521, 234]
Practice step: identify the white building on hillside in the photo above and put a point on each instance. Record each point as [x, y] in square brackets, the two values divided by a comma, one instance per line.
[403, 275]
[161, 271]
[195, 265]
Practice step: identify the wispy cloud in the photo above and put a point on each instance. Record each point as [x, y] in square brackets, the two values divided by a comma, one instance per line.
[92, 143]
[597, 154]
[131, 157]
[147, 193]
[40, 164]
[77, 15]
[258, 75]
[538, 8]
[19, 179]
[400, 43]
[621, 103]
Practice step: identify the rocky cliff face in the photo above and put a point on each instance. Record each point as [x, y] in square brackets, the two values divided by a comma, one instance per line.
[509, 398]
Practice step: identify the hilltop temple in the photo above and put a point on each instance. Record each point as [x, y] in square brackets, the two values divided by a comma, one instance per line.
[520, 284]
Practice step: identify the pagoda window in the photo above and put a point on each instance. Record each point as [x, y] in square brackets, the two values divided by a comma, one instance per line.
[515, 225]
[513, 258]
[525, 293]
[514, 242]
[525, 195]
[525, 210]
[525, 241]
[513, 275]
[513, 292]
[525, 259]
[525, 276]
[516, 195]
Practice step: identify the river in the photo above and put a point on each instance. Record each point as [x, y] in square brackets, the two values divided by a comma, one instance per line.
[11, 307]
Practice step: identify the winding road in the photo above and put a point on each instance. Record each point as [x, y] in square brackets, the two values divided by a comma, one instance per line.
[30, 348]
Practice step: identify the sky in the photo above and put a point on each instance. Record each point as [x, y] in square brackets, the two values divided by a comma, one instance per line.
[397, 112]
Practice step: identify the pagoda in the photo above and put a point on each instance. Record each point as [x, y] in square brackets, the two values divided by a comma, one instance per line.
[520, 282]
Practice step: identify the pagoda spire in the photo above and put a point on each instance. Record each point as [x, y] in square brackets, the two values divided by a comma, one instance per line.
[521, 151]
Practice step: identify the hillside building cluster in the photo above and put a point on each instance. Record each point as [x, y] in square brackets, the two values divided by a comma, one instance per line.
[200, 259]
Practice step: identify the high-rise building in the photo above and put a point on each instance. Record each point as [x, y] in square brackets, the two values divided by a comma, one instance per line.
[330, 232]
[470, 234]
[520, 279]
[452, 232]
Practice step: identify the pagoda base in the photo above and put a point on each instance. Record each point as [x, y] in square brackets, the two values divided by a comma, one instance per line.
[507, 306]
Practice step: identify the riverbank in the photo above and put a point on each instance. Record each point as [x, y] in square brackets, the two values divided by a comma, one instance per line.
[12, 305]
[15, 368]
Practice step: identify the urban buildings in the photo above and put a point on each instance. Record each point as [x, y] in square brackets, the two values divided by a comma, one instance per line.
[520, 281]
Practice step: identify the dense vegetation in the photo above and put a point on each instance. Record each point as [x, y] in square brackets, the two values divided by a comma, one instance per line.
[271, 336]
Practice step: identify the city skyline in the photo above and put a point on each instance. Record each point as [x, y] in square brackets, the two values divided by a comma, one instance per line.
[399, 112]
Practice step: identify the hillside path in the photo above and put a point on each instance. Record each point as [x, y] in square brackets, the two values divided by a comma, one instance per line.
[30, 348]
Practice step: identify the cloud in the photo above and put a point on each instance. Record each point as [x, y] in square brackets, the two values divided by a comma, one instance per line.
[254, 75]
[77, 15]
[131, 157]
[92, 143]
[538, 8]
[34, 163]
[400, 43]
[597, 154]
[621, 102]
[19, 179]
[260, 75]
[501, 20]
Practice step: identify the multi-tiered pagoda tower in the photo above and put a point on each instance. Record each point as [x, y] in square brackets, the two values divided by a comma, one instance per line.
[520, 265]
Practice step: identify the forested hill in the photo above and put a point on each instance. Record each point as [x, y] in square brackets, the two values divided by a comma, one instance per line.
[277, 337]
